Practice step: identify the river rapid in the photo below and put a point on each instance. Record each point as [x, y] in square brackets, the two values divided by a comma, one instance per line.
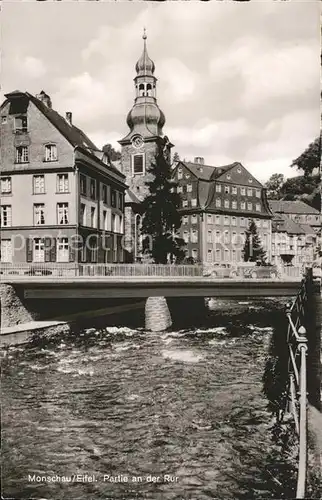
[121, 413]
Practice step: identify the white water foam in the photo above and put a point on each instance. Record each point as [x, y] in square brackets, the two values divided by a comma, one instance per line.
[182, 355]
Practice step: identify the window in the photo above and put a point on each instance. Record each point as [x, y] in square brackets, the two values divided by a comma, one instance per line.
[249, 192]
[242, 222]
[258, 207]
[228, 176]
[93, 217]
[138, 164]
[105, 220]
[258, 222]
[120, 200]
[179, 189]
[3, 120]
[62, 213]
[234, 257]
[113, 198]
[194, 236]
[83, 214]
[189, 188]
[6, 216]
[39, 250]
[265, 223]
[6, 185]
[234, 238]
[22, 154]
[121, 226]
[50, 152]
[226, 237]
[185, 219]
[217, 219]
[185, 203]
[250, 180]
[62, 250]
[234, 204]
[226, 220]
[218, 255]
[39, 214]
[218, 188]
[242, 191]
[92, 191]
[233, 221]
[258, 193]
[179, 173]
[243, 205]
[186, 236]
[218, 202]
[209, 218]
[209, 236]
[39, 184]
[226, 255]
[194, 202]
[21, 124]
[83, 185]
[6, 251]
[226, 189]
[249, 206]
[187, 176]
[194, 219]
[194, 253]
[234, 190]
[62, 183]
[226, 203]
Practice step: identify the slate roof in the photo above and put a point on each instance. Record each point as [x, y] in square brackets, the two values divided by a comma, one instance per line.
[291, 207]
[206, 172]
[284, 224]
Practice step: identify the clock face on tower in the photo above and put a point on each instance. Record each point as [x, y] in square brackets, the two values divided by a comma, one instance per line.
[137, 141]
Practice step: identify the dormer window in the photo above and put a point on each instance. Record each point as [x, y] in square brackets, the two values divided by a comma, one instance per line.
[228, 177]
[250, 180]
[138, 164]
[239, 170]
[21, 124]
[179, 173]
[50, 152]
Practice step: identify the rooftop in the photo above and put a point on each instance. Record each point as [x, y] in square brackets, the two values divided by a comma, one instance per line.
[291, 207]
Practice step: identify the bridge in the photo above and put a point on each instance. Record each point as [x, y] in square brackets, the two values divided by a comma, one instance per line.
[94, 281]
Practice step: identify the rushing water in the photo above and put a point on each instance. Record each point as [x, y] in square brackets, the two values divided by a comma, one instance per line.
[183, 406]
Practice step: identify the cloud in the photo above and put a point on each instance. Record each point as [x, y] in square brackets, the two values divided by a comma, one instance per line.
[33, 67]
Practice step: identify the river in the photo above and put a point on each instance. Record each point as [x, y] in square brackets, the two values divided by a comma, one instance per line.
[132, 414]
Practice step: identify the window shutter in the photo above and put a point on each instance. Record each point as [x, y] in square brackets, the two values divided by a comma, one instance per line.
[29, 245]
[47, 245]
[53, 250]
[72, 254]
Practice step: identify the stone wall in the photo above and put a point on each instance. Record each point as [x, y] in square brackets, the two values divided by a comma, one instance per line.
[157, 314]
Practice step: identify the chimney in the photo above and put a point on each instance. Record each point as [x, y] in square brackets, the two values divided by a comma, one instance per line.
[69, 117]
[200, 160]
[44, 98]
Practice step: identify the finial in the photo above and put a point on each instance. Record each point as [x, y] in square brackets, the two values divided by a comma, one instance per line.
[144, 34]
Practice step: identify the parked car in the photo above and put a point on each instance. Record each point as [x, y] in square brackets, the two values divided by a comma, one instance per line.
[267, 271]
[219, 270]
[34, 271]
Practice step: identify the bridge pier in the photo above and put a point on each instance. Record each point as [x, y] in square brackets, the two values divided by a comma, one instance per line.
[13, 309]
[157, 314]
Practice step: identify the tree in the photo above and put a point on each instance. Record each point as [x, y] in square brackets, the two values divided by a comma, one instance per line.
[161, 219]
[176, 156]
[111, 152]
[253, 250]
[310, 159]
[305, 188]
[273, 186]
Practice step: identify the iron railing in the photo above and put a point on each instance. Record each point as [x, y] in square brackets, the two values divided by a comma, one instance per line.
[19, 272]
[297, 349]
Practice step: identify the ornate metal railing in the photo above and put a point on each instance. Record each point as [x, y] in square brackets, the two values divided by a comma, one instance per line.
[297, 384]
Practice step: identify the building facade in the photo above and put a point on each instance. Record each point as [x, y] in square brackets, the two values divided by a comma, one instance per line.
[61, 199]
[140, 146]
[217, 204]
[296, 232]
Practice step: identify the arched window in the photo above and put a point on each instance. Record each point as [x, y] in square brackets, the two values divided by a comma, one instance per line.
[149, 89]
[141, 89]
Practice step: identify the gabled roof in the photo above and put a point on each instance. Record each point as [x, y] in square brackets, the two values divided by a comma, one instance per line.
[130, 197]
[292, 207]
[205, 172]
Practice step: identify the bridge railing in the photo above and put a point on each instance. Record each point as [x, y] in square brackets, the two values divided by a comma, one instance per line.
[297, 348]
[61, 270]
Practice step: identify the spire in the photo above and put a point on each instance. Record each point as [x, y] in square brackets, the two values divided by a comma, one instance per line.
[145, 65]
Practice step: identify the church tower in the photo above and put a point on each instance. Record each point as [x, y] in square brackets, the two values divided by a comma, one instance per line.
[141, 144]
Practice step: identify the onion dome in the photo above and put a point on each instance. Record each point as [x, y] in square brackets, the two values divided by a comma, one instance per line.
[146, 115]
[145, 65]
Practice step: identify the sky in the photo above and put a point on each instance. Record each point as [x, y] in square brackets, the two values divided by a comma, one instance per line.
[236, 81]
